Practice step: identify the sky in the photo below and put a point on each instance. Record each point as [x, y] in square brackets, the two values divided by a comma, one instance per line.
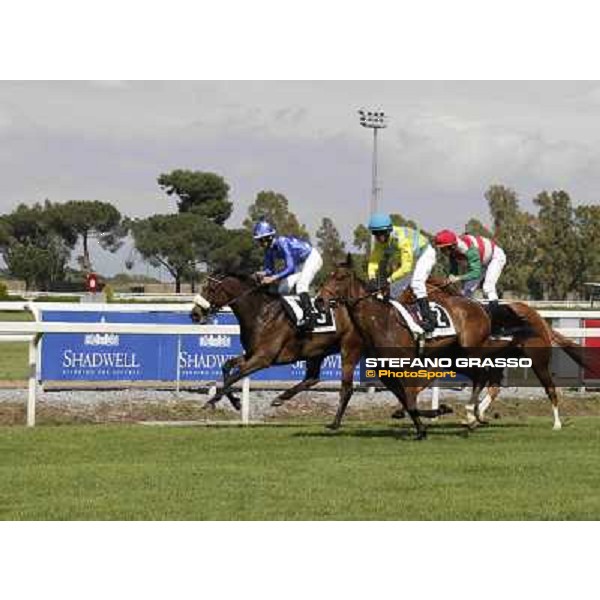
[446, 143]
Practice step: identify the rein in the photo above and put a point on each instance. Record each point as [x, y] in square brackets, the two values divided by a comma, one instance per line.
[350, 301]
[237, 298]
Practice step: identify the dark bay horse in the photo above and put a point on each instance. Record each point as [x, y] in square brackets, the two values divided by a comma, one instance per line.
[269, 338]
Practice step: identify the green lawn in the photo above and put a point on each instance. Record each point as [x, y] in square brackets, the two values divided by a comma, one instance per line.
[512, 470]
[13, 356]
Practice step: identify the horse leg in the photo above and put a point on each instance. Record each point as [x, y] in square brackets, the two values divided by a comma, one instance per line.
[408, 398]
[245, 367]
[229, 366]
[429, 413]
[311, 378]
[543, 374]
[414, 413]
[493, 391]
[480, 379]
[349, 360]
[226, 369]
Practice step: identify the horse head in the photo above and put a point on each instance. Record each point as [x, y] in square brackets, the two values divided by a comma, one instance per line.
[218, 291]
[342, 283]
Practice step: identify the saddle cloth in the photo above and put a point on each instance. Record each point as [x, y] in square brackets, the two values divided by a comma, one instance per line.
[444, 325]
[325, 320]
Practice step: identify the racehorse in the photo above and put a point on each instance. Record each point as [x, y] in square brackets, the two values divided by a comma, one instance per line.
[536, 344]
[382, 326]
[269, 337]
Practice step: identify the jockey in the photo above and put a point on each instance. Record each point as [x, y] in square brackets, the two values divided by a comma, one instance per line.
[485, 261]
[402, 246]
[301, 263]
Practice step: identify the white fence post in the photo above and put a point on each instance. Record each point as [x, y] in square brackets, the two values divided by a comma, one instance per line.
[435, 397]
[32, 386]
[246, 400]
[178, 364]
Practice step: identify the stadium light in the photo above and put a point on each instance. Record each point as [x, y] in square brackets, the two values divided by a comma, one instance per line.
[374, 120]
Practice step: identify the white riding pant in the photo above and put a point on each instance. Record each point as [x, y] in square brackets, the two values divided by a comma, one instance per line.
[423, 268]
[490, 276]
[302, 278]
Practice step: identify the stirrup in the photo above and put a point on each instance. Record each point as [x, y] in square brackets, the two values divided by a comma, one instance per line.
[421, 344]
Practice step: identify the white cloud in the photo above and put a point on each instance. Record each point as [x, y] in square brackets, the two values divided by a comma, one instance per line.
[446, 143]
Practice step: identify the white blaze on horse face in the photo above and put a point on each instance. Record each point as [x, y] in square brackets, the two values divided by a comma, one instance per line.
[202, 302]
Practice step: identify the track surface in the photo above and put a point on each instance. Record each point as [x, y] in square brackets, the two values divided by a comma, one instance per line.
[514, 469]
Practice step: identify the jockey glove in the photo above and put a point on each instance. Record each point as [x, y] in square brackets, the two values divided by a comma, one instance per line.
[373, 285]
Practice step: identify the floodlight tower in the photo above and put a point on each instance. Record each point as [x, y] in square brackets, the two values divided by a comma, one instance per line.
[375, 121]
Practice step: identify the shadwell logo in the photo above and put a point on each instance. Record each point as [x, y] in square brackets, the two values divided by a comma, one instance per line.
[215, 341]
[101, 339]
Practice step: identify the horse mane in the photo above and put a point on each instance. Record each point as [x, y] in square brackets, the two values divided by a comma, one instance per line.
[440, 286]
[437, 290]
[242, 276]
[247, 279]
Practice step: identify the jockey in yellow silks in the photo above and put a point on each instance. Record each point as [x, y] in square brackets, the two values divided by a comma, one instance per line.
[407, 253]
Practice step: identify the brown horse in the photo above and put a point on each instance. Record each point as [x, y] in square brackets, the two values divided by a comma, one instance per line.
[538, 346]
[270, 338]
[382, 328]
[536, 342]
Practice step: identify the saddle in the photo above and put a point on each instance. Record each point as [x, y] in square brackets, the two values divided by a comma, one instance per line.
[443, 322]
[506, 324]
[325, 320]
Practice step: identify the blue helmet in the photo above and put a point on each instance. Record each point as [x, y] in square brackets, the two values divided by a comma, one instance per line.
[380, 222]
[263, 229]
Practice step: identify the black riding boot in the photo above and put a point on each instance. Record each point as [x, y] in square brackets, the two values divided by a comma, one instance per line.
[492, 309]
[428, 321]
[308, 319]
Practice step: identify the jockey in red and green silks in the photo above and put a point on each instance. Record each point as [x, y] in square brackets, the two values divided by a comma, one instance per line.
[484, 262]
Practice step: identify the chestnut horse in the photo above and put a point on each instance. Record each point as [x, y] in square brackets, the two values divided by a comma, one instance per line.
[382, 327]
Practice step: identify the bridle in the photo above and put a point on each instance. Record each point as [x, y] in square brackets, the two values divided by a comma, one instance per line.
[211, 309]
[333, 300]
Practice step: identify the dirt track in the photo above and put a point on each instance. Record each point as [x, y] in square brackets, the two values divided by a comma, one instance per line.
[132, 405]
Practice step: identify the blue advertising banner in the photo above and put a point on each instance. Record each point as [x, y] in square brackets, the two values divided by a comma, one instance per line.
[111, 357]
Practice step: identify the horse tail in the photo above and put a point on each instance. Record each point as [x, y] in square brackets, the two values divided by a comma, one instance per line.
[576, 351]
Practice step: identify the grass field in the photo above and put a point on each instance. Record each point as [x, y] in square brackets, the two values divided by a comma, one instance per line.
[13, 356]
[514, 470]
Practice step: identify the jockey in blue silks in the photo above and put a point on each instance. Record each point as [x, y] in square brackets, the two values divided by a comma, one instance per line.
[301, 264]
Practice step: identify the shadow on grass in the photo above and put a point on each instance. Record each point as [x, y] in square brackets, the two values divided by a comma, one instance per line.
[404, 434]
[407, 433]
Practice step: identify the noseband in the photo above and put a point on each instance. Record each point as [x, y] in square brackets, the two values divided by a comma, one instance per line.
[211, 308]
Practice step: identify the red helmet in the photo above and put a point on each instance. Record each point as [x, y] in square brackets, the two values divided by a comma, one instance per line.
[445, 238]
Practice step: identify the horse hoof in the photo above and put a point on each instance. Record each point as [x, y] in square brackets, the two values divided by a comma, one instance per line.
[420, 435]
[445, 409]
[398, 414]
[557, 427]
[209, 404]
[277, 402]
[332, 426]
[236, 404]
